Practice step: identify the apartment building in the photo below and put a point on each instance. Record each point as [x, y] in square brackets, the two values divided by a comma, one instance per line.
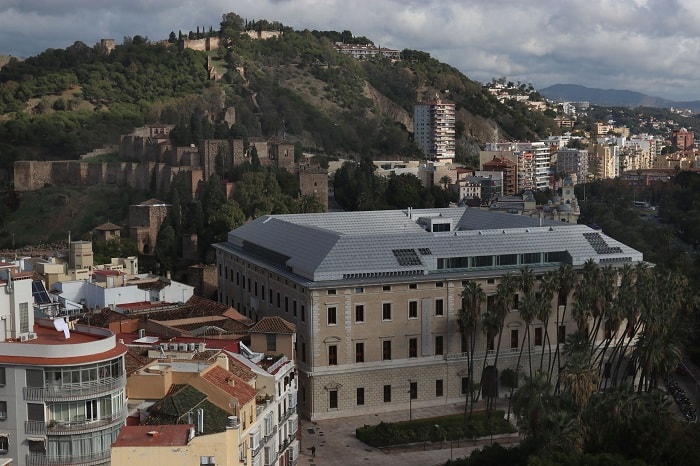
[573, 162]
[434, 129]
[62, 388]
[375, 296]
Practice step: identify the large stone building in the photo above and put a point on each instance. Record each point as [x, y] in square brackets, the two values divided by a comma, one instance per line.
[375, 295]
[62, 389]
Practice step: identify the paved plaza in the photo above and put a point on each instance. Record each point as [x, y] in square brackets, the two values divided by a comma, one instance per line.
[336, 444]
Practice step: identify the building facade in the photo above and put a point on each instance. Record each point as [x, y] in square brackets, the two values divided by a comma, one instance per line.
[375, 296]
[434, 129]
[62, 389]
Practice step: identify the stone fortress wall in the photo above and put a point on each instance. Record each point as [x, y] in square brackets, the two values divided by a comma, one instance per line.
[153, 165]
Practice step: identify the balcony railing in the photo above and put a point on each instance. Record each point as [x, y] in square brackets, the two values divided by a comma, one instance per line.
[72, 392]
[271, 434]
[72, 427]
[287, 414]
[82, 460]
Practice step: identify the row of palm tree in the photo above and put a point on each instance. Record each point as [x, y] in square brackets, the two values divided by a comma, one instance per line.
[631, 322]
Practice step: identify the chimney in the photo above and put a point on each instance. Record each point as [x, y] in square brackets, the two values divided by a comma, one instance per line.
[222, 360]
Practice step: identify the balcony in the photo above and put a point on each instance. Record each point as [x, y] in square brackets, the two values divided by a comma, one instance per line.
[77, 426]
[98, 458]
[73, 392]
[269, 435]
[287, 414]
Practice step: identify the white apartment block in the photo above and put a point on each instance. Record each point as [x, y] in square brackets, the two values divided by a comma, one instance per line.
[434, 129]
[534, 162]
[62, 387]
[375, 296]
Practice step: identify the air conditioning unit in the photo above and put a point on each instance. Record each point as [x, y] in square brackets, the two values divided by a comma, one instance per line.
[23, 337]
[32, 336]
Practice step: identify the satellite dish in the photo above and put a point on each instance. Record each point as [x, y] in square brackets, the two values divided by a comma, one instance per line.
[62, 326]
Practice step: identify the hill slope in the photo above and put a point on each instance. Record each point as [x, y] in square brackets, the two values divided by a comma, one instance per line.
[65, 102]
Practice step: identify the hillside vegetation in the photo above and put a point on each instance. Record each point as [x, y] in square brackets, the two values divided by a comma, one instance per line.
[64, 102]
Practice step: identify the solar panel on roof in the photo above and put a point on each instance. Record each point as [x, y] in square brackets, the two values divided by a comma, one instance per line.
[406, 257]
[599, 244]
[39, 293]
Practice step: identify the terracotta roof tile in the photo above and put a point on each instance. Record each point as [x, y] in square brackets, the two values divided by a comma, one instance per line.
[108, 226]
[231, 384]
[273, 324]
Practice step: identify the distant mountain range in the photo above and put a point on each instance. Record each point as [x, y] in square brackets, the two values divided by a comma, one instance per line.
[612, 97]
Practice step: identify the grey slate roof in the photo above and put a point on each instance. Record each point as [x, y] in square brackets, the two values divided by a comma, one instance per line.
[331, 246]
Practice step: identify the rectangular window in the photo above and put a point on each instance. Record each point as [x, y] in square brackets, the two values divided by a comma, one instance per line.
[238, 279]
[303, 351]
[359, 313]
[413, 309]
[262, 292]
[303, 313]
[413, 347]
[332, 355]
[516, 301]
[359, 289]
[514, 339]
[331, 292]
[413, 390]
[256, 289]
[332, 317]
[439, 307]
[271, 293]
[333, 399]
[386, 311]
[413, 286]
[386, 350]
[243, 281]
[294, 307]
[465, 385]
[2, 377]
[386, 288]
[359, 352]
[286, 304]
[438, 345]
[439, 284]
[271, 341]
[360, 396]
[3, 410]
[207, 461]
[387, 393]
[438, 388]
[538, 336]
[279, 300]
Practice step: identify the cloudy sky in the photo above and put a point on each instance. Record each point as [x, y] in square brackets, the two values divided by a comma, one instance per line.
[650, 46]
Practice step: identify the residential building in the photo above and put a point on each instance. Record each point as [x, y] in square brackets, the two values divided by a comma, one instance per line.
[434, 129]
[358, 51]
[247, 395]
[62, 387]
[573, 162]
[683, 139]
[375, 296]
[509, 170]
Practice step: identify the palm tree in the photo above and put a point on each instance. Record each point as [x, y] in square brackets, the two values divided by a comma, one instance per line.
[472, 297]
[532, 403]
[505, 292]
[548, 285]
[580, 378]
[566, 280]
